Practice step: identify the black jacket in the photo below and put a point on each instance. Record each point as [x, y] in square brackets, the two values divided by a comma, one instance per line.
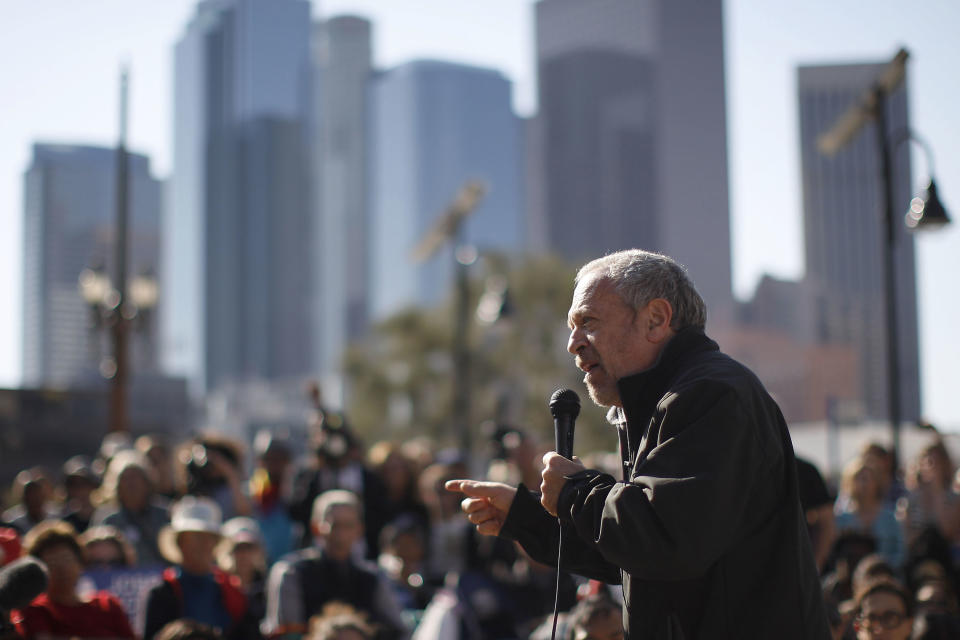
[704, 530]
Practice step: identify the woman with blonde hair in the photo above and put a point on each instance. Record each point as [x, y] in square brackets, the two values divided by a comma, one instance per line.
[930, 502]
[865, 511]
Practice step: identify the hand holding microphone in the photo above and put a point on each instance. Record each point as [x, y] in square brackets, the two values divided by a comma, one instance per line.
[565, 407]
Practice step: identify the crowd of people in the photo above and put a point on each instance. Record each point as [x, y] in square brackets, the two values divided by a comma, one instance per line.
[350, 542]
[888, 543]
[213, 537]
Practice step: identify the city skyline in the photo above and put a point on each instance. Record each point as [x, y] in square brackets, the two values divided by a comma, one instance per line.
[762, 144]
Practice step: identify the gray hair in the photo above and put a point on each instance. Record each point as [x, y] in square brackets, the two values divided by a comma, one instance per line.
[641, 276]
[119, 464]
[334, 498]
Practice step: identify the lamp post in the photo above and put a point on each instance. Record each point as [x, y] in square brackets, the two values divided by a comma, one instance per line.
[448, 228]
[109, 313]
[115, 302]
[924, 212]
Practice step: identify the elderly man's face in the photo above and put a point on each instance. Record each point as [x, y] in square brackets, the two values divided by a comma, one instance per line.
[608, 338]
[341, 528]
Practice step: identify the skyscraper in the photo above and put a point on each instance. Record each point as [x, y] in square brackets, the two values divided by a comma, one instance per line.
[434, 126]
[69, 222]
[844, 233]
[632, 134]
[342, 63]
[236, 253]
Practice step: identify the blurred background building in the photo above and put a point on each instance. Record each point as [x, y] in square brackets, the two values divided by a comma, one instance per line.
[237, 254]
[69, 225]
[342, 61]
[632, 145]
[435, 125]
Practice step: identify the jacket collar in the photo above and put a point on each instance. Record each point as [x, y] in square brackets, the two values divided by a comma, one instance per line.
[639, 391]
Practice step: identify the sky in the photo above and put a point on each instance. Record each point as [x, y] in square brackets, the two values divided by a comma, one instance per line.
[59, 83]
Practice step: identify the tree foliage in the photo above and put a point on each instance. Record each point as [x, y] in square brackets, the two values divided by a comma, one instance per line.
[401, 376]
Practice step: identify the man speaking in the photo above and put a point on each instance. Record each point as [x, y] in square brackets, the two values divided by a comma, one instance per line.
[703, 527]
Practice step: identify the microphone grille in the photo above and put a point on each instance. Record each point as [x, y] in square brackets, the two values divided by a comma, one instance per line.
[565, 400]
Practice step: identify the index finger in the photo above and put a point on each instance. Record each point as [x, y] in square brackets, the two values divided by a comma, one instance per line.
[472, 488]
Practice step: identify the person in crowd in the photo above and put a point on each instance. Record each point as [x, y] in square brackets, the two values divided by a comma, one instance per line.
[930, 501]
[399, 476]
[194, 587]
[10, 545]
[212, 467]
[79, 482]
[129, 504]
[935, 626]
[929, 553]
[871, 568]
[882, 460]
[403, 550]
[113, 443]
[449, 543]
[157, 453]
[703, 525]
[269, 494]
[338, 464]
[340, 622]
[32, 491]
[848, 550]
[300, 585]
[596, 618]
[516, 456]
[59, 612]
[105, 547]
[817, 504]
[865, 511]
[241, 554]
[884, 611]
[186, 629]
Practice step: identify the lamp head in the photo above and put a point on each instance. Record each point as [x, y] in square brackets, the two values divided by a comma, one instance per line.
[927, 212]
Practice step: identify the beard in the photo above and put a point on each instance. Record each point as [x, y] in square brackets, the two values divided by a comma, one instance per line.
[603, 392]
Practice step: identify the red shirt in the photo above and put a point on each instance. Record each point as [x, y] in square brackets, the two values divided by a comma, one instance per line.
[101, 617]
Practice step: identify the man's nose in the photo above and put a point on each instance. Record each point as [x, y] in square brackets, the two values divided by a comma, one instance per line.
[576, 341]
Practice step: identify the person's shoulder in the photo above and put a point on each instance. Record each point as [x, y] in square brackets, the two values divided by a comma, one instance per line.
[108, 513]
[365, 566]
[844, 518]
[296, 559]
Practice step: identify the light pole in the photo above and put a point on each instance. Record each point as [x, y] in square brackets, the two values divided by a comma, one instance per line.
[115, 302]
[923, 212]
[448, 228]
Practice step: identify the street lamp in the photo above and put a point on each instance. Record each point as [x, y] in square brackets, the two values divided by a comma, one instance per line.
[449, 229]
[924, 212]
[108, 313]
[117, 302]
[927, 212]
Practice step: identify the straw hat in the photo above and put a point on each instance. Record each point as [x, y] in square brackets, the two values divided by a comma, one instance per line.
[191, 513]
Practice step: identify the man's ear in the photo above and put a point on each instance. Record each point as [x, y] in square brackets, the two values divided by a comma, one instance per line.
[659, 316]
[319, 529]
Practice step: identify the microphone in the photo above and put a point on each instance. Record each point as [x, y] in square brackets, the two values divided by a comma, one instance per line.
[20, 582]
[564, 407]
